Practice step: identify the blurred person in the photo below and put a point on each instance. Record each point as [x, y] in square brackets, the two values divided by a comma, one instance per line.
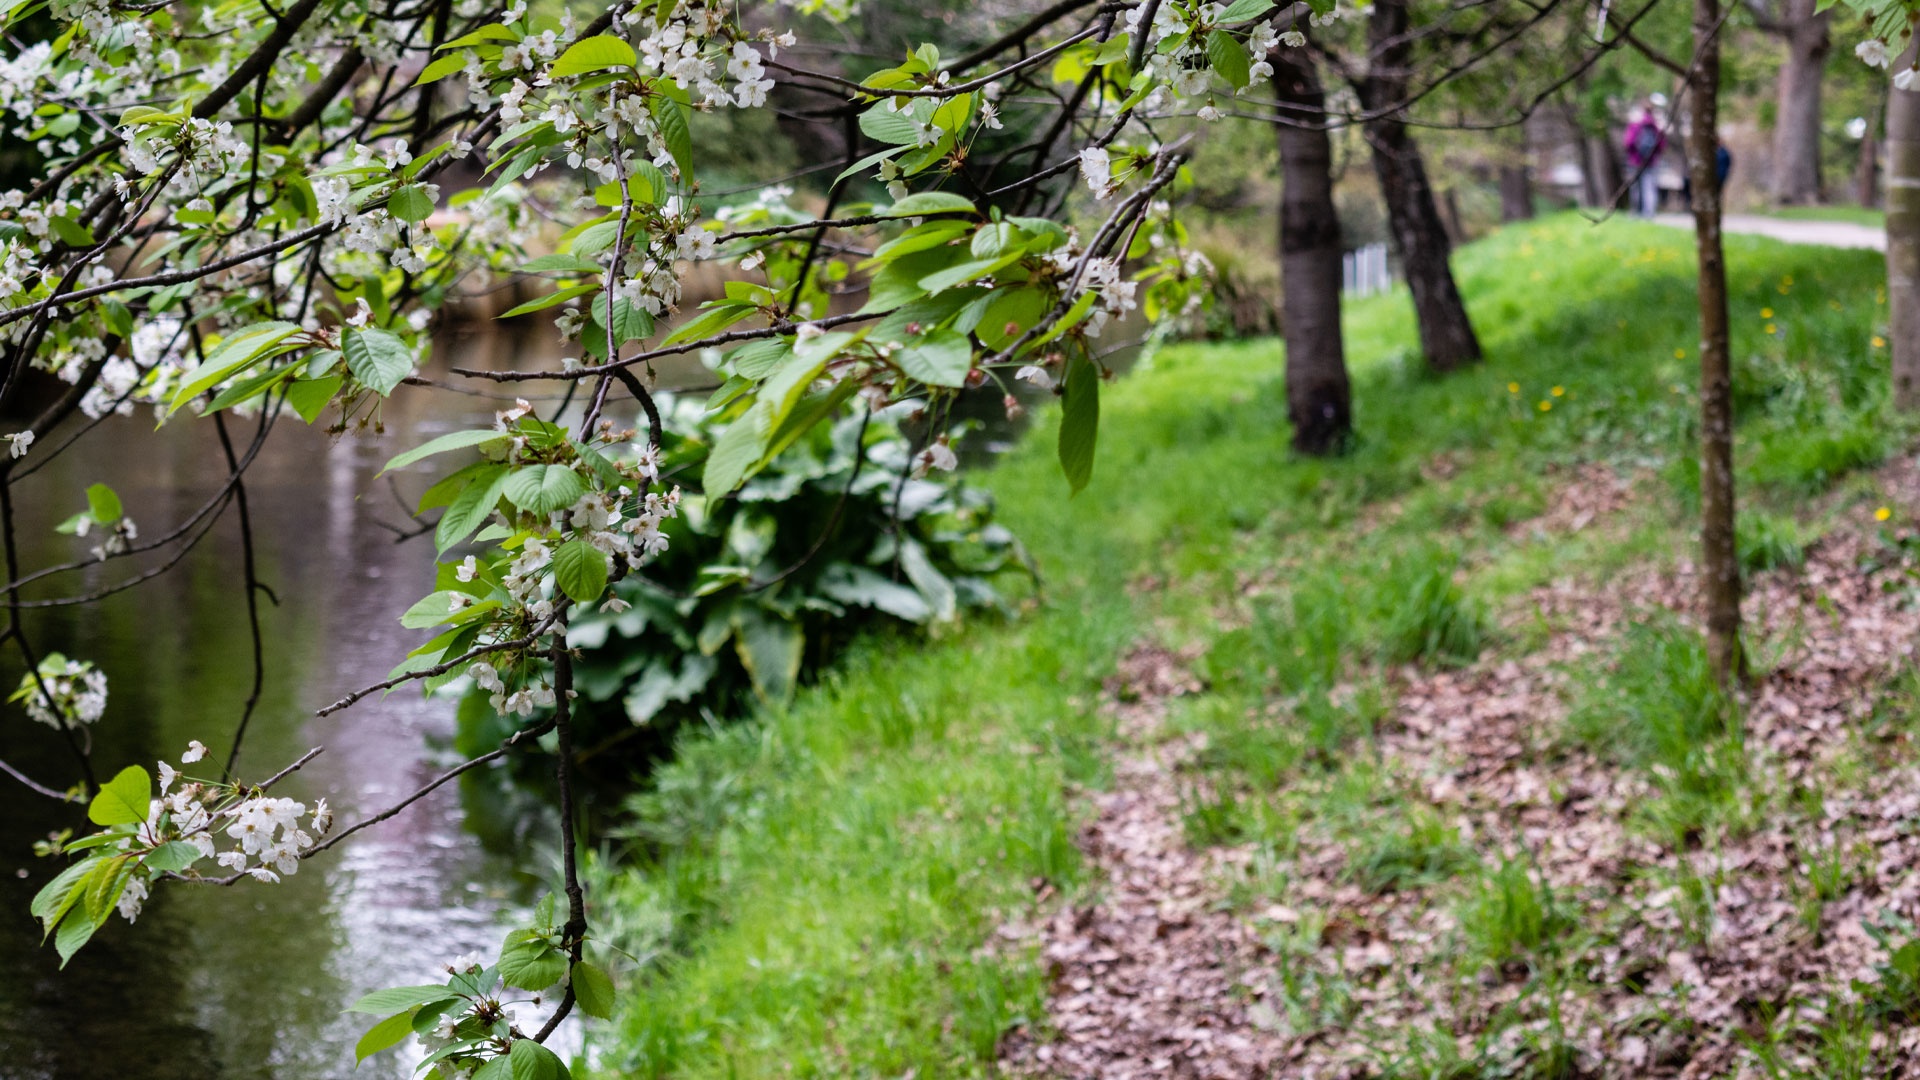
[1643, 142]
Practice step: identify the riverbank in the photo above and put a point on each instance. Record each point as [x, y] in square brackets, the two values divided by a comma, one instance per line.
[1230, 788]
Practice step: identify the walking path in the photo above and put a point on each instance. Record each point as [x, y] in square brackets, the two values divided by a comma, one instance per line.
[1840, 234]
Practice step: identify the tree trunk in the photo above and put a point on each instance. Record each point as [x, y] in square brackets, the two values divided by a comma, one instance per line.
[1903, 240]
[1600, 171]
[1796, 130]
[1446, 335]
[1516, 193]
[1318, 398]
[1719, 562]
[1866, 174]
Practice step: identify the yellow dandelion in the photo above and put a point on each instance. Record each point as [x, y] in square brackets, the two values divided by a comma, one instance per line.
[1786, 279]
[1783, 290]
[1766, 313]
[1834, 304]
[1679, 354]
[1880, 296]
[1879, 342]
[1676, 388]
[1882, 514]
[1545, 405]
[1513, 388]
[1558, 391]
[1772, 329]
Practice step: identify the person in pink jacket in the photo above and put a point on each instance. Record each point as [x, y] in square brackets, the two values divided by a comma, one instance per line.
[1644, 141]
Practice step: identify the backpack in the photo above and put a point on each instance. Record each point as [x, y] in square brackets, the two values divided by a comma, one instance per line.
[1646, 141]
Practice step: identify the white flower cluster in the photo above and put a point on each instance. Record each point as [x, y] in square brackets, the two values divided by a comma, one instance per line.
[67, 693]
[1187, 69]
[267, 831]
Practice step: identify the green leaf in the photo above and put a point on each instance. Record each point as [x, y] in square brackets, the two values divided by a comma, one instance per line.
[75, 930]
[398, 998]
[594, 54]
[123, 800]
[55, 896]
[440, 69]
[1009, 314]
[473, 506]
[489, 32]
[71, 232]
[531, 1061]
[869, 588]
[882, 124]
[571, 263]
[454, 440]
[770, 648]
[629, 323]
[940, 593]
[549, 300]
[542, 489]
[109, 880]
[434, 609]
[593, 990]
[383, 1035]
[377, 358]
[116, 316]
[410, 203]
[235, 352]
[964, 272]
[734, 453]
[928, 202]
[671, 119]
[758, 359]
[174, 855]
[104, 505]
[529, 961]
[580, 570]
[1242, 10]
[1079, 422]
[500, 1068]
[711, 321]
[941, 358]
[1229, 58]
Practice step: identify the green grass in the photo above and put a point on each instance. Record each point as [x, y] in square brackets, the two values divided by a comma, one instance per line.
[816, 892]
[1857, 215]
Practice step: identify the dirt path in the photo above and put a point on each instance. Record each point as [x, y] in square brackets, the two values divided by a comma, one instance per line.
[1158, 976]
[1840, 234]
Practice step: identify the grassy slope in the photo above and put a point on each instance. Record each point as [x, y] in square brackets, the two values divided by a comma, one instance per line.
[821, 883]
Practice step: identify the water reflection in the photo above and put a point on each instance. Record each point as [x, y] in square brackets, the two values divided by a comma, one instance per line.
[248, 981]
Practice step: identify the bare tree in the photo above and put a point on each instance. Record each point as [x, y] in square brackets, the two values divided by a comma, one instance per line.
[1318, 397]
[1796, 129]
[1719, 562]
[1419, 234]
[1903, 240]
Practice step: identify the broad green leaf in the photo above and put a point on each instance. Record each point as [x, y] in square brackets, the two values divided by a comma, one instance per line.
[250, 387]
[440, 69]
[629, 323]
[1010, 314]
[709, 322]
[410, 203]
[971, 270]
[593, 990]
[1229, 58]
[734, 453]
[174, 855]
[387, 1033]
[75, 931]
[398, 998]
[109, 880]
[1079, 422]
[770, 649]
[671, 118]
[500, 1068]
[434, 609]
[377, 358]
[103, 504]
[531, 1061]
[471, 508]
[928, 202]
[882, 124]
[542, 489]
[489, 32]
[594, 54]
[759, 359]
[54, 897]
[868, 162]
[869, 588]
[124, 799]
[235, 352]
[530, 962]
[1242, 10]
[941, 358]
[453, 440]
[580, 570]
[940, 593]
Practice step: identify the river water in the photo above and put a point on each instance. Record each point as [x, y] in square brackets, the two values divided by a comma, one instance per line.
[251, 981]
